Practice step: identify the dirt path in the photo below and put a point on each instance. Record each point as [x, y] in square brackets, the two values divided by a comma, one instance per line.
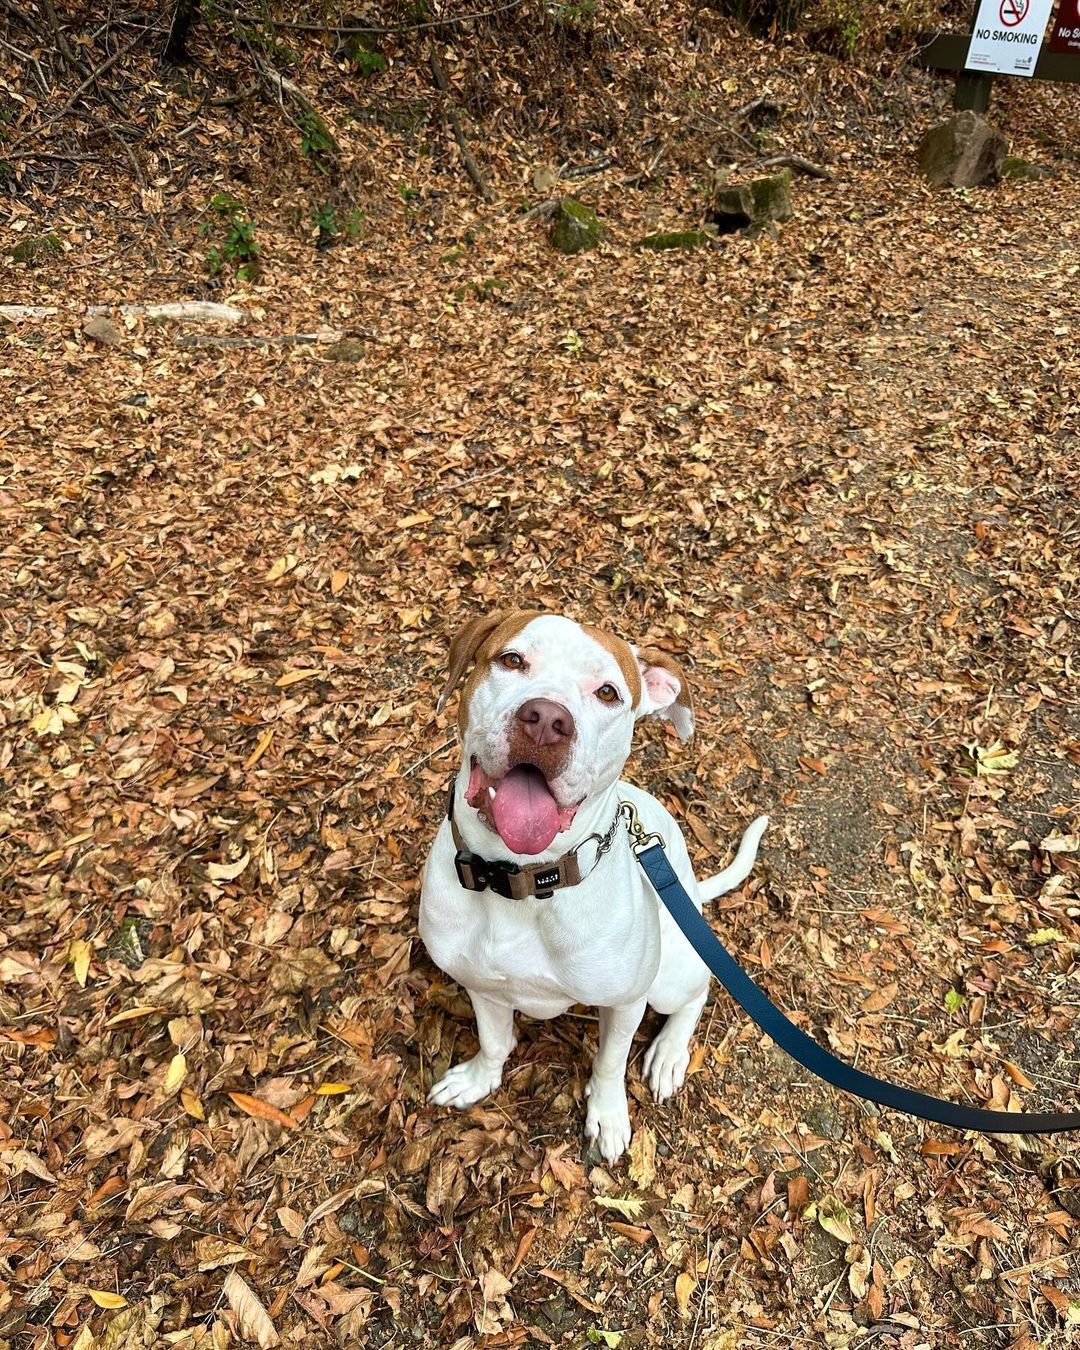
[838, 473]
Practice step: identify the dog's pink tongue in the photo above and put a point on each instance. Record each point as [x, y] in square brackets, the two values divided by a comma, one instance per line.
[525, 813]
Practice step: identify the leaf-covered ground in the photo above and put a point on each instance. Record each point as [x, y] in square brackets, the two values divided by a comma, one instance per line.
[836, 473]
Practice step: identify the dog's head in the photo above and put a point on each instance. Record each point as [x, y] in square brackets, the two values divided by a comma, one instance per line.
[547, 714]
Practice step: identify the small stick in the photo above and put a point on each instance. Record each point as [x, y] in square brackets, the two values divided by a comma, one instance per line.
[454, 118]
[279, 340]
[92, 78]
[795, 162]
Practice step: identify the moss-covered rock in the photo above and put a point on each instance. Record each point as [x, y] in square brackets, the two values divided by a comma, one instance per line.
[733, 209]
[753, 207]
[772, 198]
[346, 349]
[575, 227]
[1012, 166]
[964, 151]
[37, 249]
[669, 239]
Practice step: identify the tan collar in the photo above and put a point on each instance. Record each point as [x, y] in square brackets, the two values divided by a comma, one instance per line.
[515, 881]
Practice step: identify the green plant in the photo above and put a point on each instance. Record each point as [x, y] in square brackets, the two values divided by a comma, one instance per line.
[574, 12]
[239, 247]
[571, 342]
[365, 56]
[850, 30]
[316, 140]
[329, 228]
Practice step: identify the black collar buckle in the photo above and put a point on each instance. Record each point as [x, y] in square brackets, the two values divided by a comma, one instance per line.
[478, 874]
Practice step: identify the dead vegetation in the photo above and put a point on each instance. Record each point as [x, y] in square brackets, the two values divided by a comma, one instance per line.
[835, 472]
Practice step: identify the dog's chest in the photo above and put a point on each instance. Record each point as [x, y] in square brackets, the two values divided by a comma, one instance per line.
[492, 946]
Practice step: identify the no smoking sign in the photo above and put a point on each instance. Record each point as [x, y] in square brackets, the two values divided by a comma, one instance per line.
[1012, 13]
[1008, 35]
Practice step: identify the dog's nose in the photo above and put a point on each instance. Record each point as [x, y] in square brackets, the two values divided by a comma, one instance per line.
[545, 722]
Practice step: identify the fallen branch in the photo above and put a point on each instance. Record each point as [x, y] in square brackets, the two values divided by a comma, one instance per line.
[201, 311]
[544, 209]
[587, 170]
[280, 340]
[280, 86]
[27, 311]
[755, 105]
[92, 78]
[796, 162]
[647, 174]
[454, 118]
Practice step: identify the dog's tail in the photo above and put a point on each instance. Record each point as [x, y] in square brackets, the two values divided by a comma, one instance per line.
[740, 867]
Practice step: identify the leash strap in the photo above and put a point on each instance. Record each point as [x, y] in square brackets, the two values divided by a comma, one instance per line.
[803, 1048]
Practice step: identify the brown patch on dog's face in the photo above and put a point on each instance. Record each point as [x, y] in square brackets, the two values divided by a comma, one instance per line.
[474, 645]
[627, 661]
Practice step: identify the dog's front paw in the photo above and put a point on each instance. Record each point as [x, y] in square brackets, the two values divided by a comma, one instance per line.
[466, 1083]
[665, 1066]
[608, 1119]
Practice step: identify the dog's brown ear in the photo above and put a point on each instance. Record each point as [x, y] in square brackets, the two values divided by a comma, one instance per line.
[467, 642]
[664, 690]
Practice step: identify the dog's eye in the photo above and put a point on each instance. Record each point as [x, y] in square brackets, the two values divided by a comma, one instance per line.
[607, 693]
[511, 661]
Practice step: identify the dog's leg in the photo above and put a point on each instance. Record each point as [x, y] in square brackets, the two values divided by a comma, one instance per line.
[668, 1058]
[471, 1080]
[608, 1119]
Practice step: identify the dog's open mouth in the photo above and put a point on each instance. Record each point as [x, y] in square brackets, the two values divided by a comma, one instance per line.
[520, 807]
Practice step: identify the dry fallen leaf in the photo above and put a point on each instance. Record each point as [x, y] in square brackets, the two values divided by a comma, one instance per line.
[175, 1073]
[252, 1318]
[228, 871]
[105, 1298]
[263, 1110]
[684, 1290]
[79, 954]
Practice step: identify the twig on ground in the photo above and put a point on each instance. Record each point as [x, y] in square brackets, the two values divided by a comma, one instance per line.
[202, 311]
[58, 35]
[762, 101]
[274, 340]
[646, 175]
[796, 162]
[281, 86]
[544, 209]
[453, 116]
[587, 170]
[231, 100]
[92, 78]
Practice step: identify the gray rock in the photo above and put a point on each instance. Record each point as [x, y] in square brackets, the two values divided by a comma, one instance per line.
[733, 209]
[102, 330]
[346, 349]
[965, 151]
[575, 228]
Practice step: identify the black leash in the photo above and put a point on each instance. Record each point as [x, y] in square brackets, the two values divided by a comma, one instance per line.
[803, 1048]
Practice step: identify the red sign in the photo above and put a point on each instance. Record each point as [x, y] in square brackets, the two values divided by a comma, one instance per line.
[1012, 12]
[1066, 34]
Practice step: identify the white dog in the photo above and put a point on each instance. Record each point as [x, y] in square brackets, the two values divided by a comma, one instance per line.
[532, 898]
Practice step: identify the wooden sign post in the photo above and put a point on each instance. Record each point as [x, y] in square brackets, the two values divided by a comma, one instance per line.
[1058, 59]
